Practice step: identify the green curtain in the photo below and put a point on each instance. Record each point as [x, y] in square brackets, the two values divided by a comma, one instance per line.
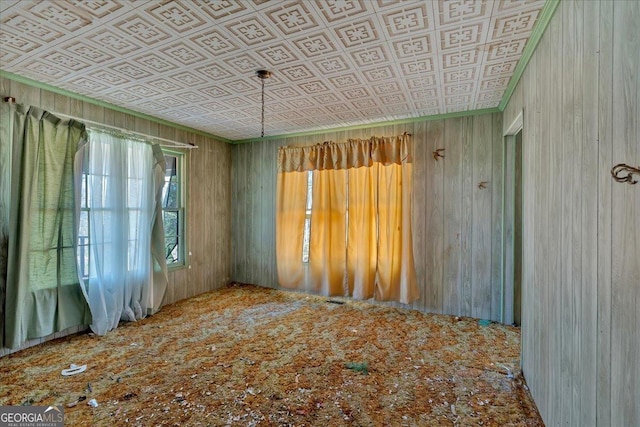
[5, 196]
[43, 295]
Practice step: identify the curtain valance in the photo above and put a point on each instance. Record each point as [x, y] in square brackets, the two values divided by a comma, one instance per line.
[353, 153]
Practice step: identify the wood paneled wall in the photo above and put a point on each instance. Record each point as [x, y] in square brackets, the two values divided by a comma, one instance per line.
[456, 224]
[581, 326]
[209, 190]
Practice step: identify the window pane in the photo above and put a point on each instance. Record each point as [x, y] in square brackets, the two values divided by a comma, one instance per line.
[171, 225]
[172, 249]
[170, 195]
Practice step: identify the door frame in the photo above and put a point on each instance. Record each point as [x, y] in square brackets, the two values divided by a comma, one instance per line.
[507, 290]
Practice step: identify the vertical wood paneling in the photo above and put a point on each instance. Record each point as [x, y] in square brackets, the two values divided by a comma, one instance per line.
[481, 231]
[497, 182]
[625, 266]
[452, 303]
[589, 231]
[605, 238]
[466, 234]
[434, 218]
[579, 337]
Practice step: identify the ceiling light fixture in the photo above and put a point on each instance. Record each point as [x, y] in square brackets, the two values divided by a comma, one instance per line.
[263, 75]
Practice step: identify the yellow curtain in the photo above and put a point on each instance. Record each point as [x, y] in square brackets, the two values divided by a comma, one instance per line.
[360, 240]
[328, 246]
[362, 245]
[290, 214]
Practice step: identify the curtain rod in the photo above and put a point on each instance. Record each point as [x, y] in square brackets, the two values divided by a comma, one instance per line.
[173, 143]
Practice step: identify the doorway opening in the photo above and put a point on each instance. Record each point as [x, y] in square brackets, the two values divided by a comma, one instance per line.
[512, 225]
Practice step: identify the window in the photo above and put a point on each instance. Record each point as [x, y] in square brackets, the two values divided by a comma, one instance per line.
[307, 219]
[173, 212]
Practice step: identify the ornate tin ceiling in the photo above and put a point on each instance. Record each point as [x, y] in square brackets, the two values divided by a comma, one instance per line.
[335, 62]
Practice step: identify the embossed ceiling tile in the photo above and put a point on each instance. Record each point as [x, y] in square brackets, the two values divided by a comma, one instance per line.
[381, 73]
[89, 52]
[427, 93]
[357, 33]
[369, 56]
[165, 84]
[251, 31]
[422, 81]
[336, 10]
[355, 93]
[141, 29]
[44, 70]
[123, 96]
[111, 78]
[386, 87]
[315, 45]
[418, 66]
[348, 115]
[149, 106]
[278, 54]
[30, 28]
[514, 24]
[100, 9]
[7, 57]
[292, 18]
[457, 100]
[64, 60]
[172, 101]
[459, 75]
[115, 42]
[467, 57]
[240, 86]
[176, 15]
[299, 103]
[184, 53]
[215, 108]
[313, 87]
[143, 90]
[288, 115]
[395, 98]
[285, 92]
[507, 5]
[332, 64]
[494, 84]
[364, 103]
[215, 42]
[195, 110]
[489, 104]
[499, 69]
[130, 70]
[510, 48]
[219, 9]
[492, 95]
[194, 96]
[338, 108]
[154, 63]
[457, 11]
[90, 86]
[462, 36]
[298, 72]
[214, 71]
[412, 46]
[18, 44]
[325, 98]
[345, 80]
[426, 103]
[407, 20]
[63, 15]
[215, 91]
[188, 78]
[7, 4]
[242, 64]
[458, 89]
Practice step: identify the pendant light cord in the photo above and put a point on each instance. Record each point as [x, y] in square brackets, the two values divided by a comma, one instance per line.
[262, 133]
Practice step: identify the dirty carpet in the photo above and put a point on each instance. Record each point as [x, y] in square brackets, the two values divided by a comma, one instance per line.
[251, 356]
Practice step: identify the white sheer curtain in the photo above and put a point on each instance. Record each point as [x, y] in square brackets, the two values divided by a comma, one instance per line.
[119, 212]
